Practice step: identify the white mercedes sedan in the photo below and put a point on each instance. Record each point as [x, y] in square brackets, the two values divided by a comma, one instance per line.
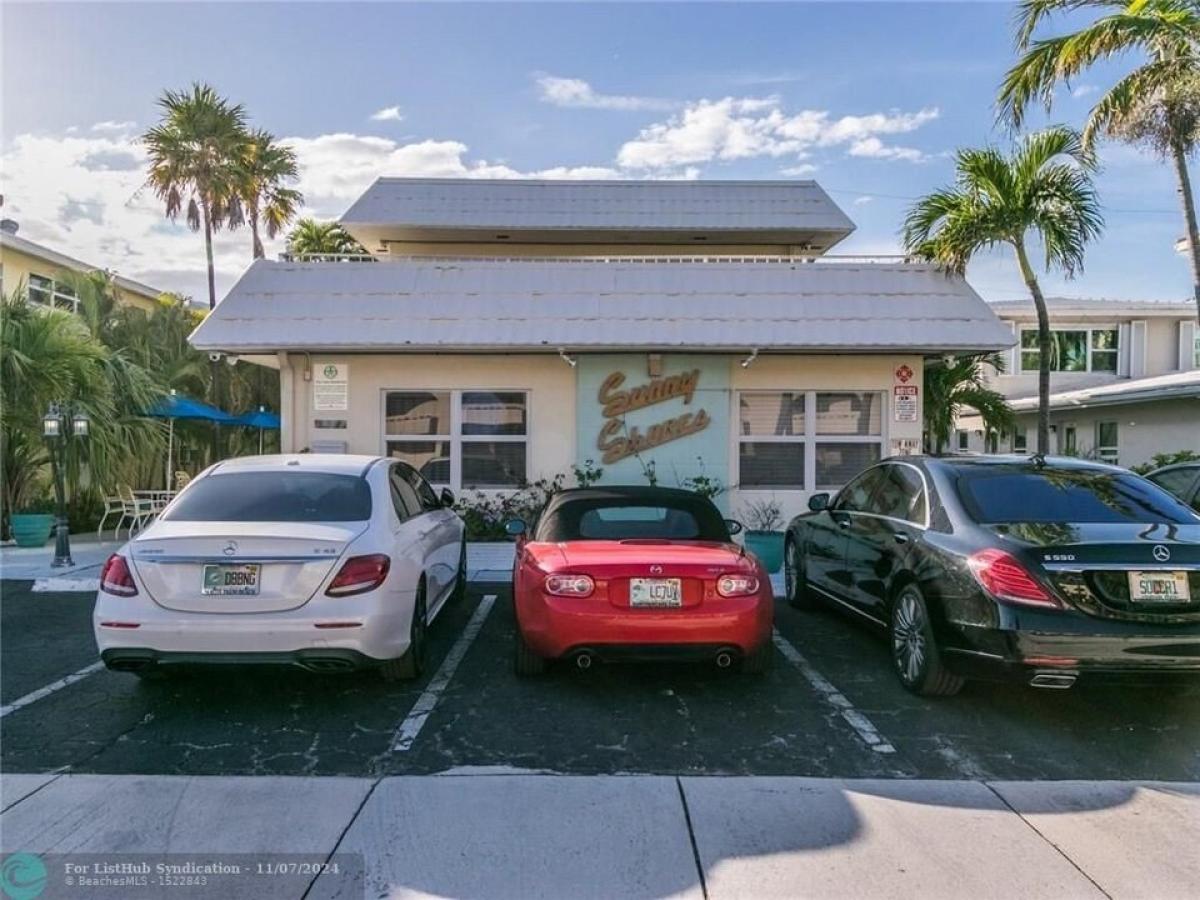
[328, 562]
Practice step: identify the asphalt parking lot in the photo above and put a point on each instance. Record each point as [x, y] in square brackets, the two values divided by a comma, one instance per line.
[830, 707]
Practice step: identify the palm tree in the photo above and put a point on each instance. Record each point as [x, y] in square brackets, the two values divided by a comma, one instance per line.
[1045, 188]
[266, 167]
[313, 238]
[194, 153]
[956, 384]
[1157, 103]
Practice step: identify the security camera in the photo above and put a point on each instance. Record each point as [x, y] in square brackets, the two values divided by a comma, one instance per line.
[214, 357]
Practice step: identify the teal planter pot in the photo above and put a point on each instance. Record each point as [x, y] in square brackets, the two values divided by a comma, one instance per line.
[31, 529]
[768, 547]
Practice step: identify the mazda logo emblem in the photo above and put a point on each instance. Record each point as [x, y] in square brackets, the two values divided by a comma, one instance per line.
[1161, 553]
[230, 548]
[656, 570]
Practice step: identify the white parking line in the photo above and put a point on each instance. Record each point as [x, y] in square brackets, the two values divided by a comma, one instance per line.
[49, 689]
[415, 721]
[862, 726]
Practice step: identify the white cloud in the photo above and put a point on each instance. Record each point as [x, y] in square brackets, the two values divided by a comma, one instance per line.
[1084, 90]
[114, 127]
[874, 148]
[387, 114]
[741, 128]
[577, 93]
[797, 171]
[863, 200]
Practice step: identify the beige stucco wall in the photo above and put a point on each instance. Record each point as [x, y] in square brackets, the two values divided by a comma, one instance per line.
[552, 389]
[18, 266]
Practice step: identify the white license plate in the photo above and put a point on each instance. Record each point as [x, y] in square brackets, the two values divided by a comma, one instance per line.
[231, 580]
[1159, 587]
[655, 592]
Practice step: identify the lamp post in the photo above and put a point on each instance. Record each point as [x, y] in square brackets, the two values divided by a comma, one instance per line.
[59, 425]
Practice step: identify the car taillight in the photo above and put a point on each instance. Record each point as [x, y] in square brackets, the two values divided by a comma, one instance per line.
[737, 585]
[359, 574]
[115, 577]
[570, 585]
[1002, 576]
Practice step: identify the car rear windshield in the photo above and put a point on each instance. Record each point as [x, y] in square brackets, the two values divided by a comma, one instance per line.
[274, 497]
[1066, 495]
[621, 519]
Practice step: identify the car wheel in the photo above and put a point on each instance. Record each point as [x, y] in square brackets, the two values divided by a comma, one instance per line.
[156, 673]
[412, 663]
[795, 583]
[759, 662]
[460, 580]
[915, 652]
[525, 661]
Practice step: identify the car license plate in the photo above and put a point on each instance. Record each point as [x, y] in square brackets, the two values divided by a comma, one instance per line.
[227, 580]
[1159, 587]
[652, 592]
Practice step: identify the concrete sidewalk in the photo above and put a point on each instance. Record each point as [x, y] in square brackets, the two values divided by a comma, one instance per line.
[517, 835]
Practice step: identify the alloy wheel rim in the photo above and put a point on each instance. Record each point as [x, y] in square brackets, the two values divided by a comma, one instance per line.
[908, 638]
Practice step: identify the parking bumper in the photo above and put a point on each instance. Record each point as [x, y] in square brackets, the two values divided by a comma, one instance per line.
[557, 626]
[364, 625]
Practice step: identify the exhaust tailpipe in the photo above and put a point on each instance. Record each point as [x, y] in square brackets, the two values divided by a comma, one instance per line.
[583, 661]
[1054, 681]
[724, 659]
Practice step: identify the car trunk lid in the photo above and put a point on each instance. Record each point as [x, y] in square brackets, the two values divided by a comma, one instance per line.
[208, 566]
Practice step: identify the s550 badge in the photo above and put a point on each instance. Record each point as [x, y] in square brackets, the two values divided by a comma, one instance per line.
[1059, 557]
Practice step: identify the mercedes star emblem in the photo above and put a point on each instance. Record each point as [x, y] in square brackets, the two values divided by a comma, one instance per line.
[1161, 553]
[230, 548]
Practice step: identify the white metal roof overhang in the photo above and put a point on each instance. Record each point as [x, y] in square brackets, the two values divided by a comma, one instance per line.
[488, 305]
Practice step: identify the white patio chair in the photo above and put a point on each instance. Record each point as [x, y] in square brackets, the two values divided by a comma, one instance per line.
[111, 505]
[138, 510]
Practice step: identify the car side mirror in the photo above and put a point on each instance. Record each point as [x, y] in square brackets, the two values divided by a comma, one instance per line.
[447, 497]
[818, 502]
[734, 526]
[514, 527]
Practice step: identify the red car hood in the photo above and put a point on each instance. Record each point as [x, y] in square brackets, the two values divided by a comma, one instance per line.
[633, 556]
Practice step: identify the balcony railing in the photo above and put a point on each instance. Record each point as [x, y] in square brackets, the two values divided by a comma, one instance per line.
[846, 258]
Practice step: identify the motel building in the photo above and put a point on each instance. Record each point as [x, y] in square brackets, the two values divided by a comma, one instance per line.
[505, 331]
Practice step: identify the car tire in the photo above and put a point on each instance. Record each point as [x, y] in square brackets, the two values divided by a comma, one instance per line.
[460, 580]
[759, 662]
[915, 655]
[156, 673]
[799, 595]
[412, 664]
[525, 661]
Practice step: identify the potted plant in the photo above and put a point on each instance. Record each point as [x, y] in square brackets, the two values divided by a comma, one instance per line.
[764, 535]
[31, 526]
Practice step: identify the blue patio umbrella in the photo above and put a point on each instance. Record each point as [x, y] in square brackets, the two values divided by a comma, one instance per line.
[174, 406]
[262, 419]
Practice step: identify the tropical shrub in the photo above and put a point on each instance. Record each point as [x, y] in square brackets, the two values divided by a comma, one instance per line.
[1166, 459]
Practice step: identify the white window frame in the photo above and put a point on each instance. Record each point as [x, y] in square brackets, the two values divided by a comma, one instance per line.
[1106, 452]
[1196, 349]
[1088, 329]
[56, 291]
[810, 438]
[456, 438]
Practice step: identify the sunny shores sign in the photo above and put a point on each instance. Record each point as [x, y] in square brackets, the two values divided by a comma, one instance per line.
[618, 441]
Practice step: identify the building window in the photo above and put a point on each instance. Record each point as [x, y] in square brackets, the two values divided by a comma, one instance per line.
[1069, 441]
[1106, 442]
[460, 439]
[807, 440]
[1196, 350]
[44, 291]
[1020, 441]
[1072, 350]
[964, 439]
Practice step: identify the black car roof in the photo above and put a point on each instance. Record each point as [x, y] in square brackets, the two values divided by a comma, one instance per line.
[1015, 459]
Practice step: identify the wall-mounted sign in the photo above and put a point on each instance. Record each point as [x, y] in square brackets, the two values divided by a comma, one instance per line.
[904, 373]
[618, 440]
[906, 402]
[331, 387]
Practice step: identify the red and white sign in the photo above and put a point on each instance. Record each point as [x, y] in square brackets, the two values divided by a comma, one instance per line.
[904, 373]
[906, 401]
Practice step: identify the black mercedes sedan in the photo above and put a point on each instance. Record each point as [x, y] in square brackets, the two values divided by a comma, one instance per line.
[1006, 567]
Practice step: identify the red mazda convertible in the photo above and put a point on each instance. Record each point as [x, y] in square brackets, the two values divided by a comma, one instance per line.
[637, 573]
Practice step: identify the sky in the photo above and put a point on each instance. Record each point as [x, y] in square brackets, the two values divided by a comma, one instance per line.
[870, 100]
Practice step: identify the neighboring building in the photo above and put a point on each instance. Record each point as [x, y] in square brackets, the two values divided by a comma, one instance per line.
[41, 270]
[513, 329]
[1124, 383]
